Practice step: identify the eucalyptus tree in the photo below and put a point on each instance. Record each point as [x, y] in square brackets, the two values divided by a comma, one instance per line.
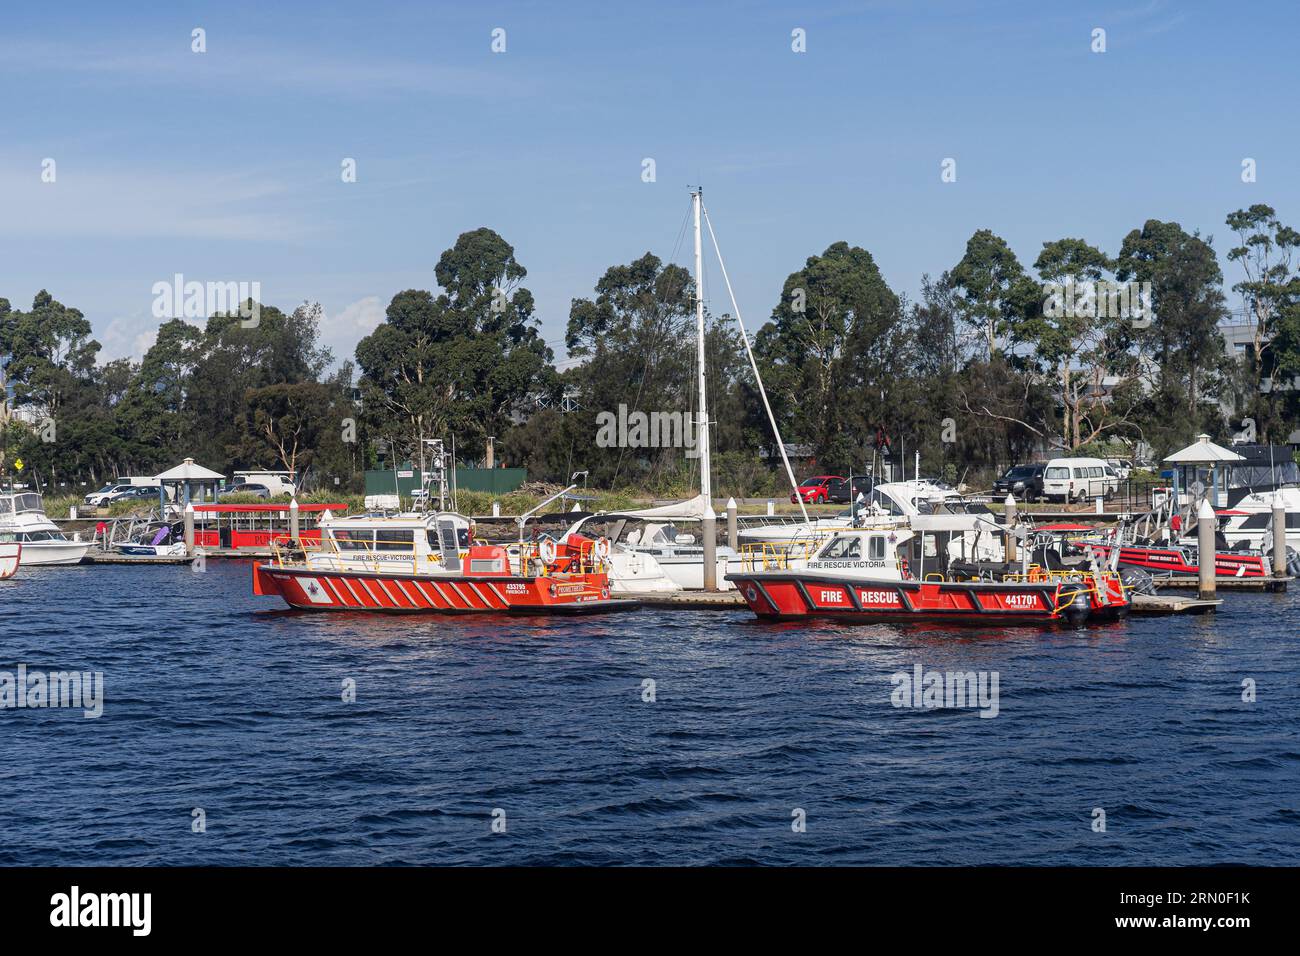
[1183, 361]
[833, 353]
[455, 365]
[1270, 290]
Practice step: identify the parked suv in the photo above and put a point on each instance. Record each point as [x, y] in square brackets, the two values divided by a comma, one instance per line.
[1023, 481]
[134, 493]
[103, 495]
[822, 488]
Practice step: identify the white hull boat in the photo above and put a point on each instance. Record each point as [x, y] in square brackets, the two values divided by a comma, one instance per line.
[23, 521]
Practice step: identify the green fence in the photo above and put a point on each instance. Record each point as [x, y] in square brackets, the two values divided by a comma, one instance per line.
[405, 480]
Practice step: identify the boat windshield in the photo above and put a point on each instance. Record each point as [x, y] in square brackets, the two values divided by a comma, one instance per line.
[24, 503]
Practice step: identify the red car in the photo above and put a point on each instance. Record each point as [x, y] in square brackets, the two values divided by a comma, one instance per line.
[821, 489]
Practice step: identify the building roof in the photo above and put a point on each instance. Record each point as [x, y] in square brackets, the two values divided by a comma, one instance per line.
[1203, 452]
[188, 471]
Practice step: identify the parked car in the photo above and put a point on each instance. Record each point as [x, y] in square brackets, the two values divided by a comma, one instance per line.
[134, 493]
[1122, 466]
[818, 489]
[843, 494]
[97, 498]
[248, 488]
[1078, 479]
[1023, 481]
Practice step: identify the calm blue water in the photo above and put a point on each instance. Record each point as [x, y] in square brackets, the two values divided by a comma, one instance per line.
[219, 700]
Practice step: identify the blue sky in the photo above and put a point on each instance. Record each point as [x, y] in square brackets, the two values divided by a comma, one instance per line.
[225, 165]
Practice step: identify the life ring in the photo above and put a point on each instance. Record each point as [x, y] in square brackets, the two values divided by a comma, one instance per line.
[601, 550]
[547, 550]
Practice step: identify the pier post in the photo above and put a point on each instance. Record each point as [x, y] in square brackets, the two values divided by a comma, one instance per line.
[1009, 545]
[710, 548]
[771, 508]
[733, 526]
[293, 518]
[189, 528]
[1205, 558]
[1279, 537]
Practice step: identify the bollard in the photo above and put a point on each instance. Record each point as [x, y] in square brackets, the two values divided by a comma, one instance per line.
[1279, 537]
[496, 509]
[771, 508]
[1100, 508]
[710, 549]
[72, 513]
[1205, 559]
[293, 518]
[733, 528]
[189, 529]
[1009, 536]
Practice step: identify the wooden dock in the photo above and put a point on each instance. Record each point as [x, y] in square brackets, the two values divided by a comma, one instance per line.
[1189, 582]
[1157, 604]
[697, 600]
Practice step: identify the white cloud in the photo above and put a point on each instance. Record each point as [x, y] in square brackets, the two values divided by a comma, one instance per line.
[341, 331]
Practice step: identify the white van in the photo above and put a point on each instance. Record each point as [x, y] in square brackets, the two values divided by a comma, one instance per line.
[275, 482]
[1078, 479]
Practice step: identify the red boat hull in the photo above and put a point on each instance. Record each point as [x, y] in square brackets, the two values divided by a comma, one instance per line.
[325, 590]
[800, 595]
[1174, 561]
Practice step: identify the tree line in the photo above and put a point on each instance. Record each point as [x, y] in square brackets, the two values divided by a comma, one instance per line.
[994, 361]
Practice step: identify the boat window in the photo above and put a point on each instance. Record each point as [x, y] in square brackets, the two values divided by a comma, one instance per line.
[843, 547]
[394, 539]
[876, 549]
[881, 503]
[353, 539]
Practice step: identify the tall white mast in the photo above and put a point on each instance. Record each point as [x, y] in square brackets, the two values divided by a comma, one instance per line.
[702, 425]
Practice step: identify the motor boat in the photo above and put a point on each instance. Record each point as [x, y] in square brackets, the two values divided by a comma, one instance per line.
[432, 563]
[659, 549]
[23, 521]
[916, 571]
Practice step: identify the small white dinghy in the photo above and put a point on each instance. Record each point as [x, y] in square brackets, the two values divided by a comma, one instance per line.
[11, 554]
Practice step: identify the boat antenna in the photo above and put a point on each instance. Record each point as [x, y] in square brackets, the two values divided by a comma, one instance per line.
[744, 337]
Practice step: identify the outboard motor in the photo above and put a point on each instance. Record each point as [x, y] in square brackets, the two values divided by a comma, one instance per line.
[1076, 605]
[1137, 581]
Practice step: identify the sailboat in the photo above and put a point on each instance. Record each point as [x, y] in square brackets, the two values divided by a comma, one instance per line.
[689, 561]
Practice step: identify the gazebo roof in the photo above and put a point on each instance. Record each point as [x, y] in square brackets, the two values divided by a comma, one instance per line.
[188, 471]
[1203, 452]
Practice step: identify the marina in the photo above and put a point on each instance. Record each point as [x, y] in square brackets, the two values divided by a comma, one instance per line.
[647, 441]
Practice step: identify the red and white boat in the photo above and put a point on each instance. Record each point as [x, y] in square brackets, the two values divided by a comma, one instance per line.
[914, 573]
[1184, 560]
[430, 563]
